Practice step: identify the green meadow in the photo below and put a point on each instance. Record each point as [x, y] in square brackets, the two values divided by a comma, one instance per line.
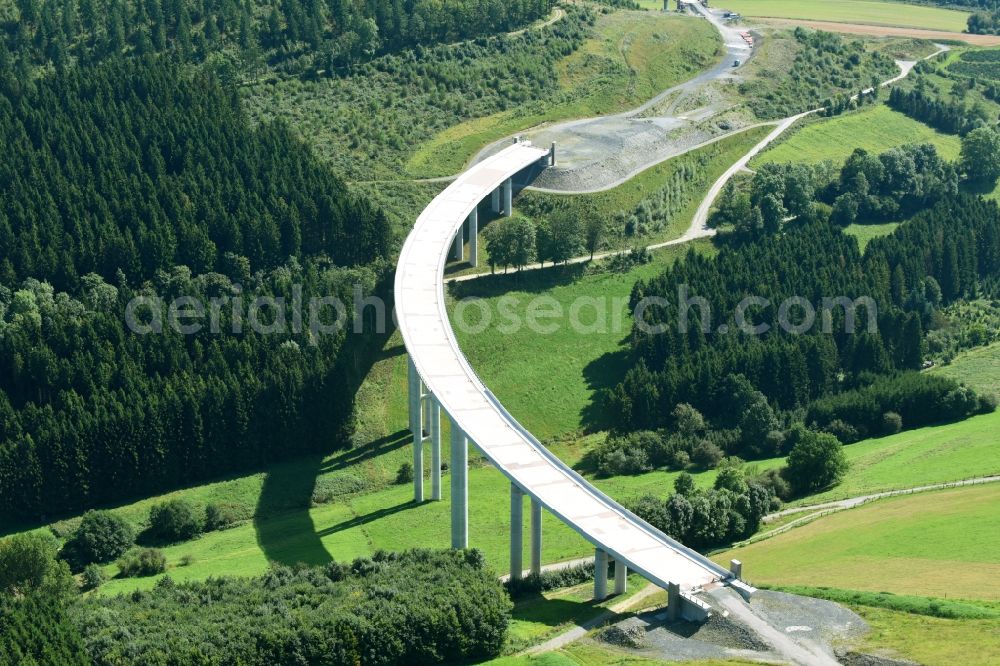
[943, 543]
[855, 11]
[875, 129]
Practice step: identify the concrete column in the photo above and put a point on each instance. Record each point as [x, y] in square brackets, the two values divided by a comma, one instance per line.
[552, 154]
[621, 577]
[673, 602]
[736, 568]
[416, 427]
[459, 488]
[495, 200]
[435, 428]
[508, 197]
[474, 237]
[536, 537]
[516, 531]
[459, 248]
[425, 410]
[600, 575]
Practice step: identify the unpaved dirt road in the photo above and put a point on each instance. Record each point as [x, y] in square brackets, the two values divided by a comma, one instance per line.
[597, 153]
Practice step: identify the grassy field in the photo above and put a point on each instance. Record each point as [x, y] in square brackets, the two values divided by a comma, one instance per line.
[865, 233]
[632, 56]
[547, 379]
[876, 129]
[854, 11]
[930, 640]
[590, 653]
[944, 543]
[919, 457]
[979, 368]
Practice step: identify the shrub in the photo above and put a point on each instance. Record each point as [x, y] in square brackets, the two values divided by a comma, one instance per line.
[891, 423]
[393, 611]
[843, 431]
[174, 520]
[146, 562]
[987, 404]
[101, 537]
[28, 564]
[776, 483]
[93, 577]
[405, 473]
[220, 515]
[706, 455]
[684, 484]
[816, 462]
[332, 486]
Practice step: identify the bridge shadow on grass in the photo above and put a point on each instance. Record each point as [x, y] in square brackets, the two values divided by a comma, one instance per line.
[396, 440]
[554, 612]
[359, 521]
[285, 530]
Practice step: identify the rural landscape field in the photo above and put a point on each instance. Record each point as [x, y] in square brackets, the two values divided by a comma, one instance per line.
[538, 332]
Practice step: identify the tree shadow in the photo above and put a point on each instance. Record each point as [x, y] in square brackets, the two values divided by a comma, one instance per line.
[532, 282]
[604, 372]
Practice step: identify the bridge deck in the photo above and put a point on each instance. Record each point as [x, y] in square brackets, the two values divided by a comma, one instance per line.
[423, 321]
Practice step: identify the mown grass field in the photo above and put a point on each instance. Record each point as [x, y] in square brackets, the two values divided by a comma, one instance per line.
[854, 11]
[876, 129]
[979, 368]
[548, 379]
[866, 233]
[633, 56]
[919, 457]
[930, 640]
[943, 543]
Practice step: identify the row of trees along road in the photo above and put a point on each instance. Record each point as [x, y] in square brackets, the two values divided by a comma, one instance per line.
[518, 241]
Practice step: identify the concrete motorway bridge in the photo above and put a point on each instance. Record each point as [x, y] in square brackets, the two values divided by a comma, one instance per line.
[440, 377]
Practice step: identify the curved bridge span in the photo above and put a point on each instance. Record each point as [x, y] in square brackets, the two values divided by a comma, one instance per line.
[441, 377]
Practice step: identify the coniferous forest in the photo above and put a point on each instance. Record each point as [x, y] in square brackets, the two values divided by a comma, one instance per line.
[851, 376]
[138, 177]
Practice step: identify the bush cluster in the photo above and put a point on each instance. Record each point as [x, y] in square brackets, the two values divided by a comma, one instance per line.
[415, 607]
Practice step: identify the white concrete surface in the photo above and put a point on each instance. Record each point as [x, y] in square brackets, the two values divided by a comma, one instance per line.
[423, 322]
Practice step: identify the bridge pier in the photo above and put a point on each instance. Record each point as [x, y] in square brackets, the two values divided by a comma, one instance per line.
[516, 531]
[508, 197]
[536, 537]
[600, 575]
[621, 577]
[459, 487]
[458, 251]
[474, 237]
[495, 200]
[417, 429]
[435, 428]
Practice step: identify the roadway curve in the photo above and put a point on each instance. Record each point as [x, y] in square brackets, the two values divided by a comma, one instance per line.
[423, 321]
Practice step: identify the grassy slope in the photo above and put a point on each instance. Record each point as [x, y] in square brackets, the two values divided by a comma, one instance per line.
[548, 380]
[932, 641]
[854, 11]
[979, 368]
[633, 56]
[944, 543]
[876, 129]
[865, 233]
